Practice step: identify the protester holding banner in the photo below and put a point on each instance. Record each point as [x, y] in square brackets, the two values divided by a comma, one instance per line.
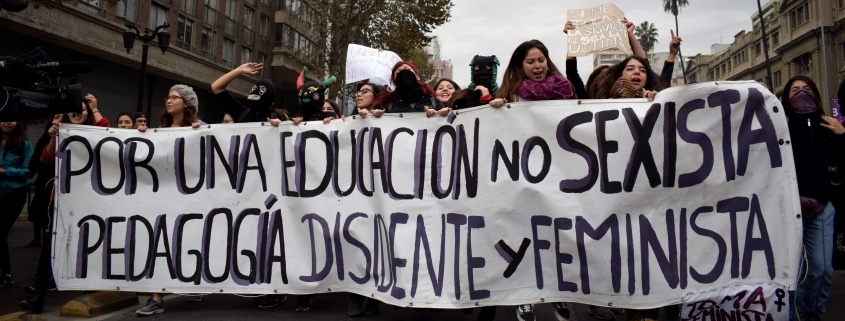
[330, 108]
[630, 78]
[181, 108]
[365, 96]
[140, 119]
[47, 155]
[482, 86]
[90, 114]
[125, 121]
[531, 75]
[411, 94]
[15, 152]
[817, 145]
[445, 89]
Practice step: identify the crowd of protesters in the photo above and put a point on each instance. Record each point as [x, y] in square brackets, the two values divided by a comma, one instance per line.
[530, 75]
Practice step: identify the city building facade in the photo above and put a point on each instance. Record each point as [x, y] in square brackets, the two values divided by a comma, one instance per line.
[805, 37]
[208, 38]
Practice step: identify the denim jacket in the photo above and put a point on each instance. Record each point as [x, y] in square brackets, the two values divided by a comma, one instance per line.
[15, 169]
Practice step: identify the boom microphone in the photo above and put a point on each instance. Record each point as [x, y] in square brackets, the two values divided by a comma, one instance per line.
[73, 67]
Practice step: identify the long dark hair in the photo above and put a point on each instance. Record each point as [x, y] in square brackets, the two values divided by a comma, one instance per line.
[377, 89]
[384, 97]
[515, 75]
[604, 81]
[16, 140]
[815, 89]
[188, 118]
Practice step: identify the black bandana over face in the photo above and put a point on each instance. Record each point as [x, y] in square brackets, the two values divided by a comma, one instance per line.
[408, 87]
[262, 95]
[483, 72]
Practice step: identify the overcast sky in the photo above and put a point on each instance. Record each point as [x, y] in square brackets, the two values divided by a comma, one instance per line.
[488, 27]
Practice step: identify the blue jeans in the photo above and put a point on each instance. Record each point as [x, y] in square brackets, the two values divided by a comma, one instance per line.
[813, 292]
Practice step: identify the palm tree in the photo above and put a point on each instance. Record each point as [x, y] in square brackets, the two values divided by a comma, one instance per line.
[674, 6]
[646, 34]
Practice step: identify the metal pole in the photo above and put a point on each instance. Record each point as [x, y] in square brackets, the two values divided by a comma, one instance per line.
[143, 81]
[765, 47]
[823, 48]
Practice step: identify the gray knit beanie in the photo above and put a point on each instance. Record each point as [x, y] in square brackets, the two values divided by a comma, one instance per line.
[188, 95]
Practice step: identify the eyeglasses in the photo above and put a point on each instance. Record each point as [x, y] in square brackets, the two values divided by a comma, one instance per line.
[171, 98]
[74, 114]
[363, 91]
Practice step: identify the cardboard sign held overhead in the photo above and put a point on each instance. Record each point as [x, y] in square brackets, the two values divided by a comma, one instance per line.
[368, 63]
[597, 29]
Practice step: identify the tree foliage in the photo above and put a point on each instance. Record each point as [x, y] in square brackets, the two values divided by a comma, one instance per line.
[401, 26]
[674, 6]
[647, 35]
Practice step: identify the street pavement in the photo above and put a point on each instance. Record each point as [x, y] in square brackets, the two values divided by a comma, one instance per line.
[324, 307]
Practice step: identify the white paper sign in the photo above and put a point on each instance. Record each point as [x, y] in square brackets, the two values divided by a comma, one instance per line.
[368, 63]
[597, 201]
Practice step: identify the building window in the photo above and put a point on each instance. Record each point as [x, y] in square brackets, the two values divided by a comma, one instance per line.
[231, 13]
[246, 55]
[248, 37]
[211, 12]
[278, 36]
[189, 7]
[776, 77]
[184, 32]
[262, 59]
[228, 52]
[126, 10]
[207, 43]
[776, 37]
[758, 49]
[158, 15]
[90, 6]
[799, 16]
[262, 29]
[249, 14]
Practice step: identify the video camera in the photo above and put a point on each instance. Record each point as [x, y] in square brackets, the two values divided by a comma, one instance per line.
[32, 87]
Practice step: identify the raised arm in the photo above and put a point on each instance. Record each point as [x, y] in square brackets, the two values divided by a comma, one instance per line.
[635, 43]
[221, 83]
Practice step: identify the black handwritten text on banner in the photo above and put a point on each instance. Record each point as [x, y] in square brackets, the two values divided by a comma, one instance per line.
[618, 201]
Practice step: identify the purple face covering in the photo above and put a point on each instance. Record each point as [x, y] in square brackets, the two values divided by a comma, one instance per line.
[554, 87]
[803, 101]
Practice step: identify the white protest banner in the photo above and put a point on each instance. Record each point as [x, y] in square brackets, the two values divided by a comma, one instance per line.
[368, 63]
[763, 301]
[597, 201]
[597, 29]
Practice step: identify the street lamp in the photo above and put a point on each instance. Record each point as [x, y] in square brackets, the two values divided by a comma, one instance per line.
[129, 37]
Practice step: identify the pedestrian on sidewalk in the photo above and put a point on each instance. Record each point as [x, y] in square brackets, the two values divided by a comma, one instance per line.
[15, 152]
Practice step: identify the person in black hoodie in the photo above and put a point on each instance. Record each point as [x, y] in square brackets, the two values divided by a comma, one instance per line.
[411, 94]
[817, 145]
